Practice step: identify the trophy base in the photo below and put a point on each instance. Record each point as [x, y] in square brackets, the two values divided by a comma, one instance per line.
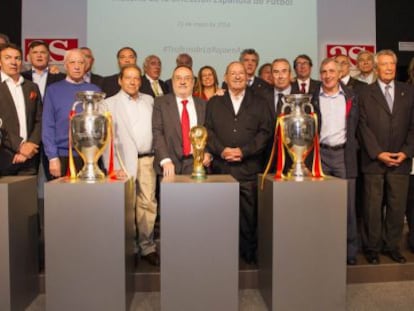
[90, 173]
[298, 172]
[199, 175]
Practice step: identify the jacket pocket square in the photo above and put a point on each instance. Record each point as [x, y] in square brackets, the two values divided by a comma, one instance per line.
[33, 95]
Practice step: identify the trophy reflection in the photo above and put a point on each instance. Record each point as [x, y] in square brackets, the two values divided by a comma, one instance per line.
[198, 137]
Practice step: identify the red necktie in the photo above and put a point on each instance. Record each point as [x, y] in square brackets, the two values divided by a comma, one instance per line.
[303, 89]
[185, 129]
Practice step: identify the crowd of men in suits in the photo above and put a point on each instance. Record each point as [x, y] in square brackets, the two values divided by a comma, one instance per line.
[366, 128]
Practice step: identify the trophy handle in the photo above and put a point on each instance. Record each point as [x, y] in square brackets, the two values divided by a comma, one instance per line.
[75, 104]
[310, 106]
[284, 106]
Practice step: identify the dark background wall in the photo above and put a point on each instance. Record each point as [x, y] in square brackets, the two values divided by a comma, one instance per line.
[394, 23]
[10, 20]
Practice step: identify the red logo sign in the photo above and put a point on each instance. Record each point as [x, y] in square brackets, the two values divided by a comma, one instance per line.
[57, 47]
[350, 50]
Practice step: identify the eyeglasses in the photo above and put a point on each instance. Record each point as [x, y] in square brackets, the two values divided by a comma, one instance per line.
[185, 79]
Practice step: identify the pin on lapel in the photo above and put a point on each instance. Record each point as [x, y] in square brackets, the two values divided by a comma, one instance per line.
[402, 93]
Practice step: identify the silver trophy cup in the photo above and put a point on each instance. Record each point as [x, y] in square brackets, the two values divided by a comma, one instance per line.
[89, 131]
[298, 131]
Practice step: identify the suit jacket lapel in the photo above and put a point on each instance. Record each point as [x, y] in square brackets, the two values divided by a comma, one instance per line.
[228, 103]
[27, 93]
[174, 113]
[9, 105]
[245, 102]
[399, 97]
[199, 110]
[380, 98]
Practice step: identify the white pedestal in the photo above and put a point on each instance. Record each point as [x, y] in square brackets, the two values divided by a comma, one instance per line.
[19, 283]
[89, 239]
[199, 243]
[302, 244]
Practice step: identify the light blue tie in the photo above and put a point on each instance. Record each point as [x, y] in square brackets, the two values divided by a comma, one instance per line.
[388, 97]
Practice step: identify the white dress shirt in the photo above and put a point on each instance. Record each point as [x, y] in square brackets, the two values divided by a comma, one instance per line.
[236, 100]
[16, 92]
[333, 114]
[40, 79]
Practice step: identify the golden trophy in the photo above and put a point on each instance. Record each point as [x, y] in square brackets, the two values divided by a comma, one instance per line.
[198, 137]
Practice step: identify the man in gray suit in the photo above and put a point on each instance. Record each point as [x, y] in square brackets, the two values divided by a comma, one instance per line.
[171, 139]
[387, 132]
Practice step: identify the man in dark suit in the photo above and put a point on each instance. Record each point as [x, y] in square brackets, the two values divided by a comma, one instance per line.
[239, 128]
[125, 56]
[39, 57]
[151, 82]
[281, 73]
[171, 138]
[387, 140]
[303, 69]
[346, 78]
[89, 76]
[338, 116]
[21, 112]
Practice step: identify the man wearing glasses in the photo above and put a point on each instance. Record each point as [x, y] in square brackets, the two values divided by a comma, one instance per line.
[303, 69]
[174, 115]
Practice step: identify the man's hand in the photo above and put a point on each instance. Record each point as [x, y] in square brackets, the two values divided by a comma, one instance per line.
[54, 167]
[19, 158]
[28, 149]
[220, 92]
[168, 169]
[120, 174]
[53, 69]
[391, 159]
[207, 159]
[232, 154]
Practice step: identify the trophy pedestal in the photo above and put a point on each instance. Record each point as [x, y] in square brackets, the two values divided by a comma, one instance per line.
[19, 266]
[89, 238]
[199, 243]
[302, 244]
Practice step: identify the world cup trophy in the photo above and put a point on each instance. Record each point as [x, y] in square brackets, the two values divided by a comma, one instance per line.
[198, 137]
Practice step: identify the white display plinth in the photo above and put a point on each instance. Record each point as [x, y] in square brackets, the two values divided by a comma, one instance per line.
[89, 245]
[19, 283]
[199, 243]
[302, 244]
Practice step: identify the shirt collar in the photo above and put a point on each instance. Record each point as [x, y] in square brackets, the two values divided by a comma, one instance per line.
[340, 92]
[382, 84]
[129, 97]
[46, 70]
[346, 79]
[73, 82]
[5, 77]
[149, 79]
[179, 99]
[286, 91]
[240, 95]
